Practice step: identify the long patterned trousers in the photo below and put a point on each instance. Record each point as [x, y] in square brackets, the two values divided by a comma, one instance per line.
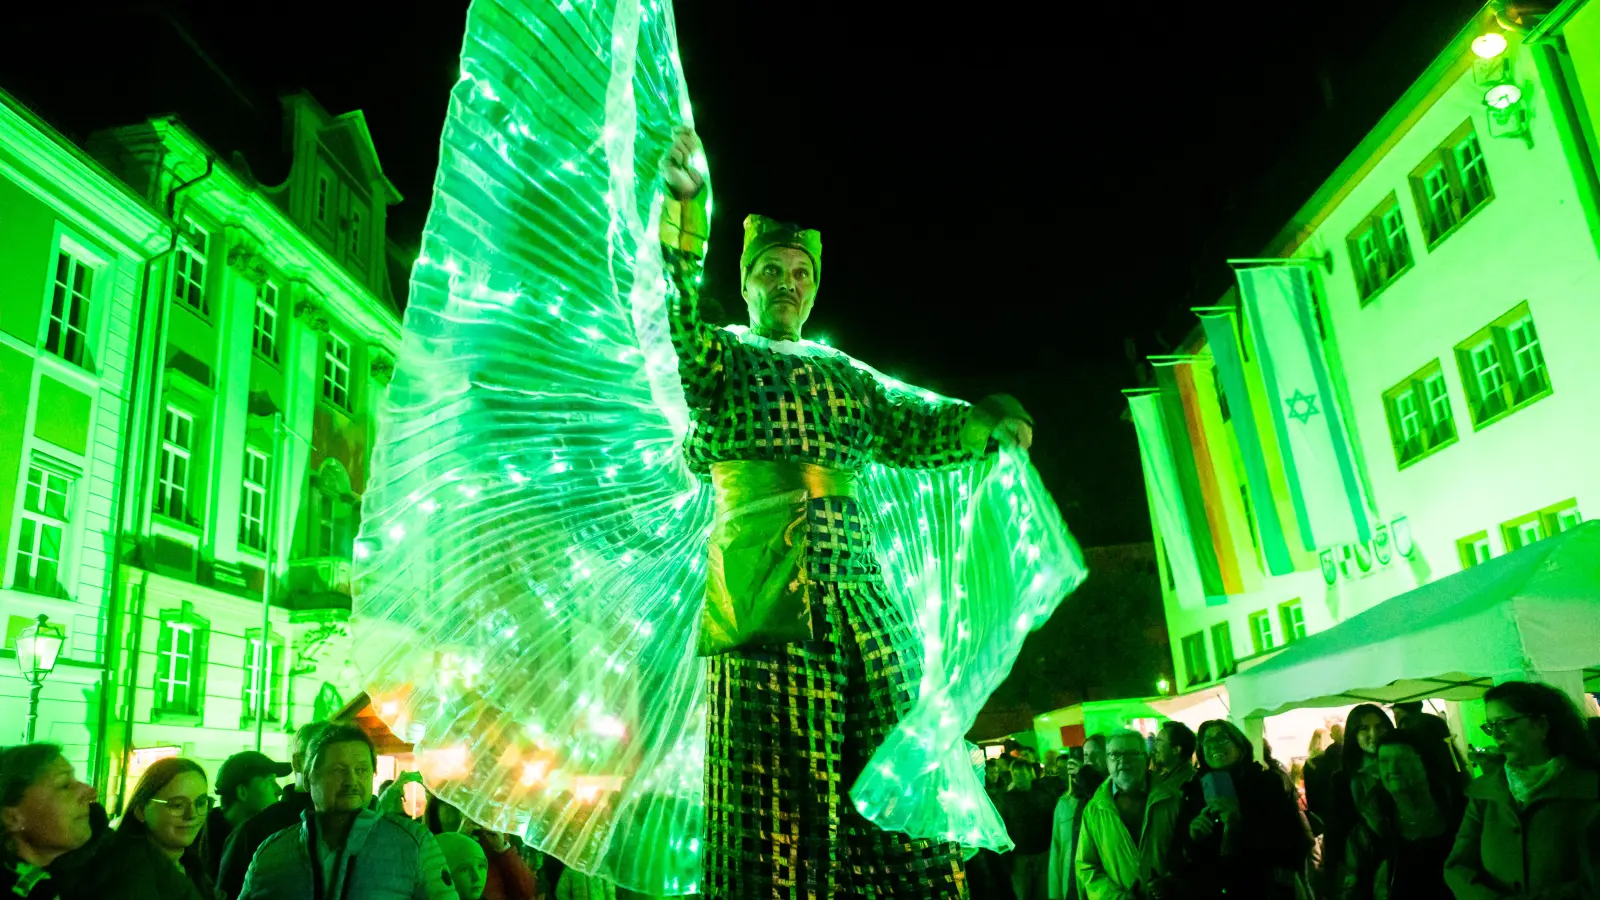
[790, 728]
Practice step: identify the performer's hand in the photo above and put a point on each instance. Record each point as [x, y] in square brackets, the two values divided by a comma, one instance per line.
[1014, 432]
[680, 167]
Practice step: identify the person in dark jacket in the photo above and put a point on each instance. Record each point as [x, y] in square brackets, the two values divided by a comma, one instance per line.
[1527, 825]
[1067, 823]
[247, 838]
[1027, 814]
[247, 783]
[1353, 788]
[1420, 808]
[1242, 834]
[156, 852]
[1172, 756]
[1432, 728]
[44, 813]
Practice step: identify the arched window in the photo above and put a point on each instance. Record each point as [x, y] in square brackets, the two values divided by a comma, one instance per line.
[333, 505]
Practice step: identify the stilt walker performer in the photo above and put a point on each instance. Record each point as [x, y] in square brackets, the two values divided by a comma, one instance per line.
[697, 609]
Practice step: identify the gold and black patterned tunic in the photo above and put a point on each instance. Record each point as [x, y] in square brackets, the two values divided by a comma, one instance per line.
[792, 725]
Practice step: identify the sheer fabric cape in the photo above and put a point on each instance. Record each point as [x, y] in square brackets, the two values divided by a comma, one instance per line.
[531, 564]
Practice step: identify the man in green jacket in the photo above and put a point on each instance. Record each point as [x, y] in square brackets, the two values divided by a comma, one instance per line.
[1126, 847]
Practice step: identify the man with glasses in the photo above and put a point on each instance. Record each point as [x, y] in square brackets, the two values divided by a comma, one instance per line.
[1126, 845]
[398, 858]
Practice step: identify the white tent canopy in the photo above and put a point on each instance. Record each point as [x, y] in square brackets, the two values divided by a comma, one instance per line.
[1521, 615]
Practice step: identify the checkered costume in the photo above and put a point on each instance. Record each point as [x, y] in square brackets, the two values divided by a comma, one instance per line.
[791, 726]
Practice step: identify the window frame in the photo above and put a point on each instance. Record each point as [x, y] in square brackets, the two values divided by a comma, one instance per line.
[1442, 219]
[1467, 550]
[1222, 648]
[1433, 432]
[1379, 253]
[1547, 522]
[41, 520]
[330, 516]
[274, 675]
[165, 486]
[192, 252]
[71, 300]
[332, 368]
[265, 321]
[1261, 641]
[1195, 675]
[322, 197]
[253, 498]
[1491, 344]
[1292, 617]
[353, 247]
[175, 622]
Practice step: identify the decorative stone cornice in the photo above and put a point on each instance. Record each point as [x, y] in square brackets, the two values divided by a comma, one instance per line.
[312, 314]
[244, 254]
[382, 364]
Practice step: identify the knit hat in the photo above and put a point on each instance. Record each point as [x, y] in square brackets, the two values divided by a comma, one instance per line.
[762, 234]
[461, 851]
[458, 848]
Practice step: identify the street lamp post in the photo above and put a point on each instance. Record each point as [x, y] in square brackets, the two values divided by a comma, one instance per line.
[37, 649]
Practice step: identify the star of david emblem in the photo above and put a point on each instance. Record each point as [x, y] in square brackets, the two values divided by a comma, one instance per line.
[1302, 407]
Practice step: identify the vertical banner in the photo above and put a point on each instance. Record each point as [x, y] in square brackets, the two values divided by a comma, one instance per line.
[1213, 505]
[1194, 501]
[1224, 344]
[1328, 500]
[1166, 498]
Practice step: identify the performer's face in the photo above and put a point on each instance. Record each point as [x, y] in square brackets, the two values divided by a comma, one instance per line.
[780, 291]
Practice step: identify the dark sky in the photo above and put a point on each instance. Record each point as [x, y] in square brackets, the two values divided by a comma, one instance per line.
[1007, 192]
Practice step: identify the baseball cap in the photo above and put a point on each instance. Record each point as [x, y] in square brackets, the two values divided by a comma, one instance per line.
[245, 765]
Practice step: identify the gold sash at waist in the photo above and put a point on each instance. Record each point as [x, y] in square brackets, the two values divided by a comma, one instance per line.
[756, 586]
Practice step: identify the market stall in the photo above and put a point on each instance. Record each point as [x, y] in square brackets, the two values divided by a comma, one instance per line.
[1530, 614]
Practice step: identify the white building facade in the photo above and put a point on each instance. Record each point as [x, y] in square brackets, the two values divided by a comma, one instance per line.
[76, 252]
[1457, 285]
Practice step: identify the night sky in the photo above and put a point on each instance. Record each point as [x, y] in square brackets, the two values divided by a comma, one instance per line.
[1008, 196]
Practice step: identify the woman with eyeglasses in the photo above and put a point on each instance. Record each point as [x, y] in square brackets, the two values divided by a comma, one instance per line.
[1420, 808]
[156, 852]
[44, 811]
[1242, 835]
[1528, 826]
[1353, 789]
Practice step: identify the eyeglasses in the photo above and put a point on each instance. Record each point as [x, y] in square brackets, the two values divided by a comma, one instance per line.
[1217, 740]
[183, 806]
[1498, 727]
[1125, 756]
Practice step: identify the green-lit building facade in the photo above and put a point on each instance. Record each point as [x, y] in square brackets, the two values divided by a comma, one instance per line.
[211, 424]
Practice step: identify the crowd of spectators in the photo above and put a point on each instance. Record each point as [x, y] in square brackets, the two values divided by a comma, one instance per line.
[1382, 807]
[181, 836]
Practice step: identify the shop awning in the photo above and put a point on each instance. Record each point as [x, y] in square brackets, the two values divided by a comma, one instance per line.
[1533, 610]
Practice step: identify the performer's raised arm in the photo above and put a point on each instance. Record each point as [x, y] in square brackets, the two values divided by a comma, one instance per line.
[684, 229]
[915, 433]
